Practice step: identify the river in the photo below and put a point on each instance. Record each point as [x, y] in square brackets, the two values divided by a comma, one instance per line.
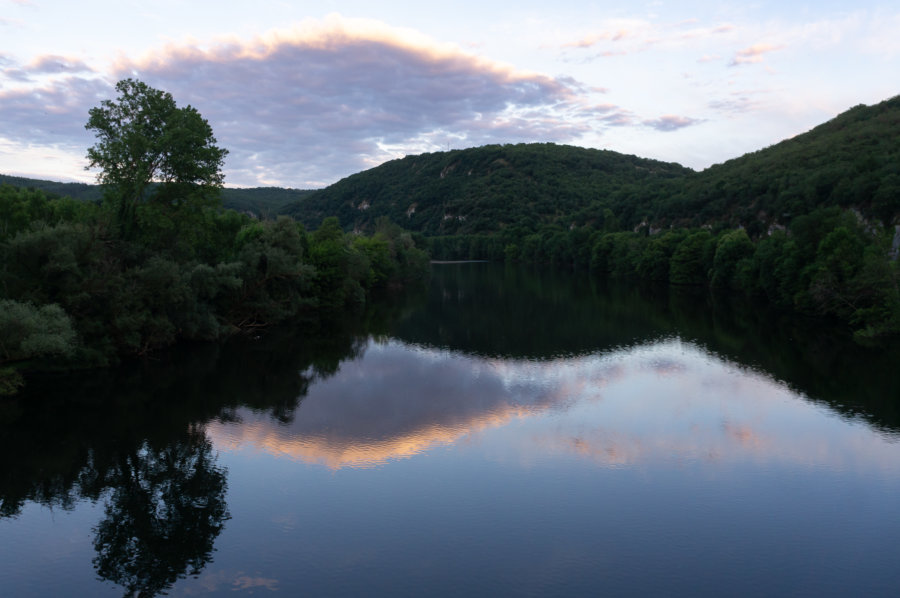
[504, 432]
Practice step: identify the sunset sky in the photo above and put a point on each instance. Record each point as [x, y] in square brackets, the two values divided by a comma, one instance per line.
[303, 94]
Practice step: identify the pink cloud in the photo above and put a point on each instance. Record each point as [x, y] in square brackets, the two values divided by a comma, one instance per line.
[753, 54]
[592, 40]
[306, 106]
[330, 99]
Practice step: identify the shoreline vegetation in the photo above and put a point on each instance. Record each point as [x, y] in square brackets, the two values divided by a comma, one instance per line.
[76, 295]
[157, 261]
[811, 225]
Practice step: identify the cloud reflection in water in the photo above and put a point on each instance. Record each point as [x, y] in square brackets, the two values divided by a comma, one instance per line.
[665, 403]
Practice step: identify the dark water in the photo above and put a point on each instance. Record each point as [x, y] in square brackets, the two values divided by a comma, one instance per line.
[506, 432]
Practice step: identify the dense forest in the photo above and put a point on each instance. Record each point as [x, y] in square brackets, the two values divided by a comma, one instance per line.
[75, 293]
[484, 190]
[809, 224]
[85, 283]
[260, 202]
[851, 162]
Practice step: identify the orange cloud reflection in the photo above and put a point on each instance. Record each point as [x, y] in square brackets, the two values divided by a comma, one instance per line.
[336, 451]
[668, 402]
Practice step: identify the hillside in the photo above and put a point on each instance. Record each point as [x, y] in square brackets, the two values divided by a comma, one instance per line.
[485, 189]
[81, 191]
[852, 161]
[263, 202]
[811, 224]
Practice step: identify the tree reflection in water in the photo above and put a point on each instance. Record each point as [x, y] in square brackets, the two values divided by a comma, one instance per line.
[135, 438]
[163, 515]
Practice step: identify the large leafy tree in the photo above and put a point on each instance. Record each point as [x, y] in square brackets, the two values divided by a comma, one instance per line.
[150, 150]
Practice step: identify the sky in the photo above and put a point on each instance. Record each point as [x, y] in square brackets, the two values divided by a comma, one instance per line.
[303, 94]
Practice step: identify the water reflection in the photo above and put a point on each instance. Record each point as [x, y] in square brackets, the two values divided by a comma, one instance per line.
[164, 511]
[496, 371]
[513, 313]
[663, 402]
[134, 439]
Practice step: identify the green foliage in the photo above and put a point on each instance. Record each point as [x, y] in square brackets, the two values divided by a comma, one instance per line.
[487, 190]
[849, 162]
[807, 224]
[72, 292]
[731, 250]
[21, 209]
[143, 137]
[80, 191]
[275, 280]
[11, 381]
[654, 262]
[260, 202]
[689, 264]
[515, 191]
[28, 331]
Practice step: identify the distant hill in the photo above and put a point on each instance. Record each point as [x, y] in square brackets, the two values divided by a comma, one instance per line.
[811, 224]
[485, 189]
[263, 202]
[74, 190]
[851, 161]
[259, 201]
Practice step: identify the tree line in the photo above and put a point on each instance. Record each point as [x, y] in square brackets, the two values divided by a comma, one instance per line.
[157, 260]
[851, 162]
[827, 263]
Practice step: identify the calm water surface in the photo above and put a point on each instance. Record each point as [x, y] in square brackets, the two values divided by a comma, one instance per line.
[504, 433]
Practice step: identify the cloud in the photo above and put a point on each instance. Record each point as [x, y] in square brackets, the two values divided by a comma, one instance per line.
[49, 64]
[665, 402]
[357, 418]
[753, 54]
[671, 122]
[53, 113]
[590, 41]
[52, 63]
[641, 35]
[305, 106]
[738, 102]
[325, 98]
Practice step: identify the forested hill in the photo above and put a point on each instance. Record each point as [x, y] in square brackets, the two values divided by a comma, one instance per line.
[486, 189]
[852, 161]
[54, 188]
[263, 202]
